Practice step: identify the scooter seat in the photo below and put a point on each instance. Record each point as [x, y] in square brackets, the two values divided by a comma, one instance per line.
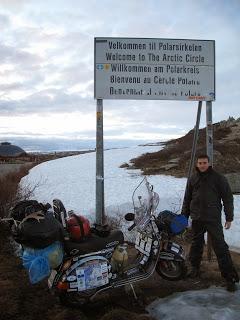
[94, 243]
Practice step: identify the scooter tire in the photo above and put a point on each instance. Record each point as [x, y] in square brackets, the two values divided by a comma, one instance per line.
[171, 270]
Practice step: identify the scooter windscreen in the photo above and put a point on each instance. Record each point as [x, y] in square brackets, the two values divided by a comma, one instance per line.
[145, 202]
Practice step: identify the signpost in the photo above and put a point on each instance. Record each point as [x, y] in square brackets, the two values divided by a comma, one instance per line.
[209, 143]
[154, 69]
[149, 69]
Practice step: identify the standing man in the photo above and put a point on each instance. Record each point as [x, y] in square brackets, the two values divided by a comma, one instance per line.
[205, 193]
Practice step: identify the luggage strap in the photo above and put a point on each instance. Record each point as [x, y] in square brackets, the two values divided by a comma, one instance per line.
[80, 223]
[39, 215]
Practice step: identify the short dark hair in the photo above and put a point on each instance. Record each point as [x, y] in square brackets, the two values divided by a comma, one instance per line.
[203, 156]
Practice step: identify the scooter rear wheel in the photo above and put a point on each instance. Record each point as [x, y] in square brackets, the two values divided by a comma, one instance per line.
[171, 270]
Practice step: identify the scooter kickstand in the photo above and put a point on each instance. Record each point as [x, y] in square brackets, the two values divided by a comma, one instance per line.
[133, 290]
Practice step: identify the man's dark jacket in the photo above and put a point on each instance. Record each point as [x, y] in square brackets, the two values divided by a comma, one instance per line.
[205, 193]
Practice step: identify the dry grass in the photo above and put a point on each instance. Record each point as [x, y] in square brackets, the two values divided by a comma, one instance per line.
[9, 189]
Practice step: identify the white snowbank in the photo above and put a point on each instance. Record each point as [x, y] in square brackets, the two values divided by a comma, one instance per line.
[209, 304]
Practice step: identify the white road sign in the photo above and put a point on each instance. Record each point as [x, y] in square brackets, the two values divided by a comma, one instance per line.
[154, 69]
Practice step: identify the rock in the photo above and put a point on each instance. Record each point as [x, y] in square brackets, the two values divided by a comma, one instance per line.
[176, 160]
[124, 165]
[169, 166]
[217, 154]
[234, 181]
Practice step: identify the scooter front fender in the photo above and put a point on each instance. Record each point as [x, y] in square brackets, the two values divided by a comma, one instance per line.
[168, 255]
[173, 251]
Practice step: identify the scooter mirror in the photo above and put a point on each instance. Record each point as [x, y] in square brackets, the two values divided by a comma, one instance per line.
[47, 206]
[129, 216]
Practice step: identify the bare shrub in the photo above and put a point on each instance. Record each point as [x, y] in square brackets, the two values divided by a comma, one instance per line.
[114, 222]
[10, 193]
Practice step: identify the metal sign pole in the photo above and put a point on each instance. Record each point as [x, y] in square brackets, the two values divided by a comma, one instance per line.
[209, 144]
[194, 145]
[209, 131]
[99, 165]
[195, 139]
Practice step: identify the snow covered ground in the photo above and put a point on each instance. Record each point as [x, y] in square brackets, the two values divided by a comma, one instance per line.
[208, 304]
[72, 180]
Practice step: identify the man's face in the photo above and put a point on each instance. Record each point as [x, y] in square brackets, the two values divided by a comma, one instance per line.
[202, 164]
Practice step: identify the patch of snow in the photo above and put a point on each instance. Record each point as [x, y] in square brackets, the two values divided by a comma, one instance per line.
[214, 303]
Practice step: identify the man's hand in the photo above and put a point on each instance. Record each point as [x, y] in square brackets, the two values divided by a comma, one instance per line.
[227, 225]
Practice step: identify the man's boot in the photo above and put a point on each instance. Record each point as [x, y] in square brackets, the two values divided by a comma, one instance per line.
[231, 286]
[231, 280]
[194, 272]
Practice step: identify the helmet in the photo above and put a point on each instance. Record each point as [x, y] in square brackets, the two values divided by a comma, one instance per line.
[78, 227]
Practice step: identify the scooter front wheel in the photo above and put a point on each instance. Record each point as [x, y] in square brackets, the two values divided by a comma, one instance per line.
[171, 270]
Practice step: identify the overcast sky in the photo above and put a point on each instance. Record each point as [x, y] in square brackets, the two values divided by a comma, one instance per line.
[47, 65]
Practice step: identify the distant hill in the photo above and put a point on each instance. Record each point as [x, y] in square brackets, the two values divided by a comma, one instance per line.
[9, 150]
[174, 158]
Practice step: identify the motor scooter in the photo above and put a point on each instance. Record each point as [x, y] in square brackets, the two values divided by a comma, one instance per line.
[102, 261]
